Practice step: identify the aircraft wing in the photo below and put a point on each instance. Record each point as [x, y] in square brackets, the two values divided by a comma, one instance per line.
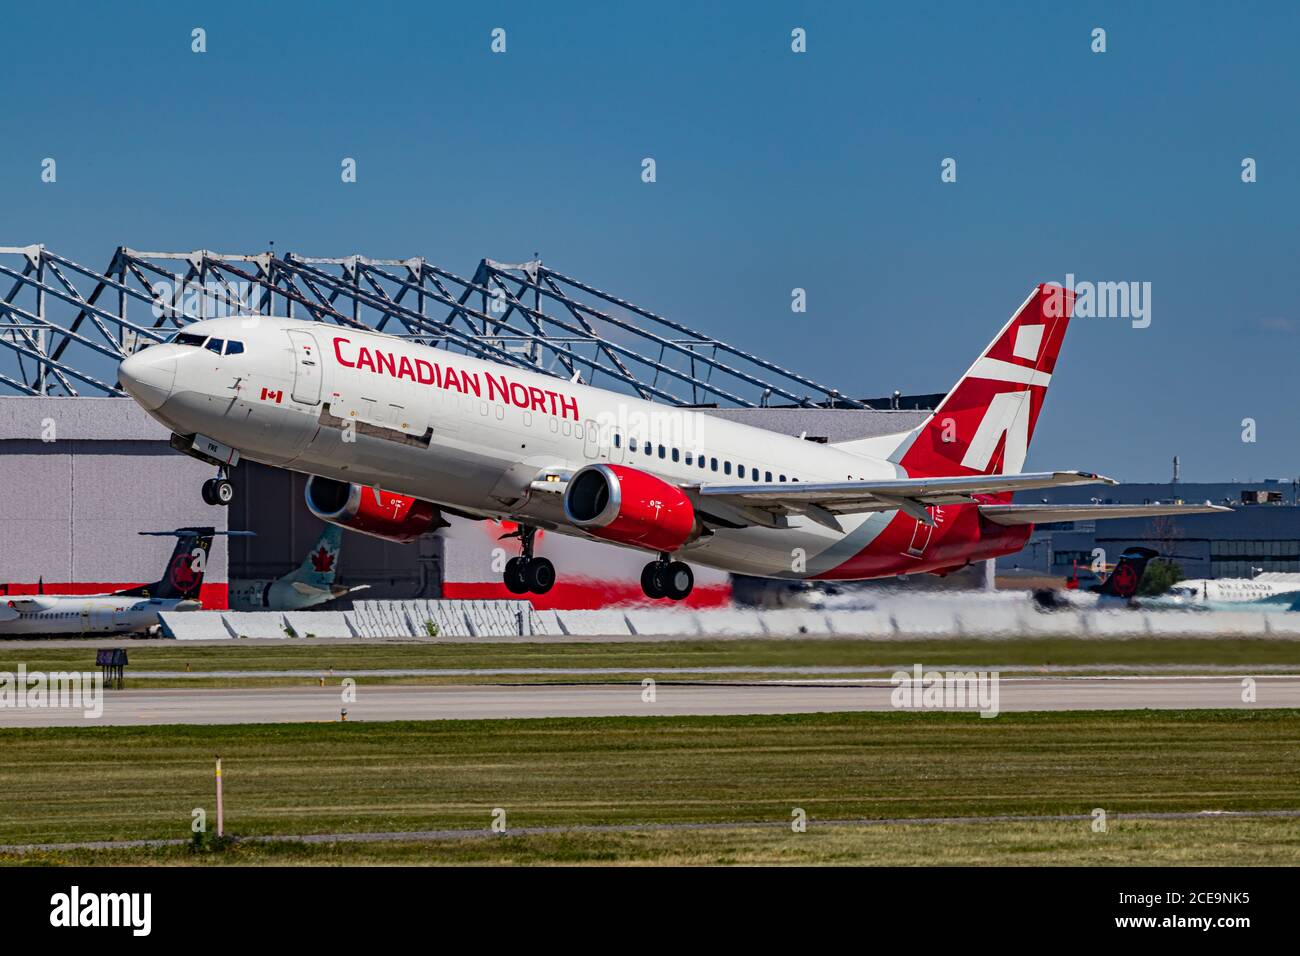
[766, 503]
[1014, 514]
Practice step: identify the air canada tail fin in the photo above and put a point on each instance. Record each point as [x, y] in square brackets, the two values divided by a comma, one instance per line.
[183, 576]
[1123, 582]
[320, 566]
[985, 423]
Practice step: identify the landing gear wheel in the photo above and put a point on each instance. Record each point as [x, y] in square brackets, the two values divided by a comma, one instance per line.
[223, 491]
[678, 580]
[218, 491]
[651, 580]
[514, 577]
[539, 574]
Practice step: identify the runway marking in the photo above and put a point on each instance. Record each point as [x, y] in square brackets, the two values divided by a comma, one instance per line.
[445, 835]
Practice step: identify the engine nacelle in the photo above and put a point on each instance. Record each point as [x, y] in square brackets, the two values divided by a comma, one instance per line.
[631, 507]
[381, 514]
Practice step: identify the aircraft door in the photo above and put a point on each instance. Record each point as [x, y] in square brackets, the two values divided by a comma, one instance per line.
[306, 369]
[592, 439]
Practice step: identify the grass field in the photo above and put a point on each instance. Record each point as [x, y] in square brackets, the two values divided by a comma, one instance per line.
[70, 785]
[1200, 842]
[866, 658]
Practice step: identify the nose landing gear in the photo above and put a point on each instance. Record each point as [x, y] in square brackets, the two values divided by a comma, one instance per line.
[526, 573]
[665, 578]
[218, 490]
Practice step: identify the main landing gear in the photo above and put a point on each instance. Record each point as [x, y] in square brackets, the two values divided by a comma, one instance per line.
[526, 573]
[219, 490]
[665, 578]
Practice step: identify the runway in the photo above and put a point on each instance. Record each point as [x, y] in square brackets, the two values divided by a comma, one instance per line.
[458, 702]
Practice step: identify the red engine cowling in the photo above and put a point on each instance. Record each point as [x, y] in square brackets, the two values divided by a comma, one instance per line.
[382, 514]
[631, 507]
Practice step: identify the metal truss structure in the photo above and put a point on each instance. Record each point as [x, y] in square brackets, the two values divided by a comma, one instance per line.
[64, 326]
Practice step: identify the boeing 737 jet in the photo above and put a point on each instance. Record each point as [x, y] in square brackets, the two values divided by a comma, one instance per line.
[396, 433]
[121, 612]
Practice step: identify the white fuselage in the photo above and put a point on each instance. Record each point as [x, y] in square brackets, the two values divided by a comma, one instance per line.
[1231, 590]
[472, 436]
[49, 614]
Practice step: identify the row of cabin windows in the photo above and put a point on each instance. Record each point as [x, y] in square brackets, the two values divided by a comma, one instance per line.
[703, 462]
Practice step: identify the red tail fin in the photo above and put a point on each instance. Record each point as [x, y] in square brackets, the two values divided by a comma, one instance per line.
[984, 425]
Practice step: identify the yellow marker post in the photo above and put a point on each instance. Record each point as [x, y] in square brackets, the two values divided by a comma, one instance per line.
[221, 828]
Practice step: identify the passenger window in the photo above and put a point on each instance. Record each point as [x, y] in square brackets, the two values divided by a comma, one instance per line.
[689, 461]
[617, 440]
[740, 471]
[631, 444]
[663, 452]
[767, 476]
[726, 467]
[214, 345]
[234, 348]
[754, 474]
[783, 477]
[713, 464]
[676, 454]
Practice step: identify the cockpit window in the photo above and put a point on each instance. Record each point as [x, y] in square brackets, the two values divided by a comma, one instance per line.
[188, 338]
[214, 345]
[233, 347]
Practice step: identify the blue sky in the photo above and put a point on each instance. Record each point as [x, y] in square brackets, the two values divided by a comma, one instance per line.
[775, 170]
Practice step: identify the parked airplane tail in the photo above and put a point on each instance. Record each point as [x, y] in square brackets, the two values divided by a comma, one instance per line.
[185, 568]
[985, 423]
[1123, 582]
[320, 567]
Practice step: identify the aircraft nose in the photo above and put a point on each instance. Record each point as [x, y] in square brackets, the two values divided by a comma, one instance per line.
[148, 376]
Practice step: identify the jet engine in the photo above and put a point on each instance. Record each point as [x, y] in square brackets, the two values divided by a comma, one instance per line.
[631, 507]
[381, 514]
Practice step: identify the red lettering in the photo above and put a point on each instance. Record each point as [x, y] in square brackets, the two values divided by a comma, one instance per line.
[405, 370]
[567, 405]
[538, 398]
[386, 359]
[449, 380]
[364, 360]
[424, 373]
[518, 395]
[338, 353]
[553, 397]
[497, 389]
[469, 381]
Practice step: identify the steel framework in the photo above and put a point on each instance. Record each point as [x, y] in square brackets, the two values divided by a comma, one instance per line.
[64, 326]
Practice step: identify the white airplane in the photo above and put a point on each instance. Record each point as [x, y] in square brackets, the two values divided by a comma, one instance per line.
[1271, 591]
[121, 612]
[309, 584]
[395, 433]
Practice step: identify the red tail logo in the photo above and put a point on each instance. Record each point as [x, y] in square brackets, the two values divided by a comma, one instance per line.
[985, 424]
